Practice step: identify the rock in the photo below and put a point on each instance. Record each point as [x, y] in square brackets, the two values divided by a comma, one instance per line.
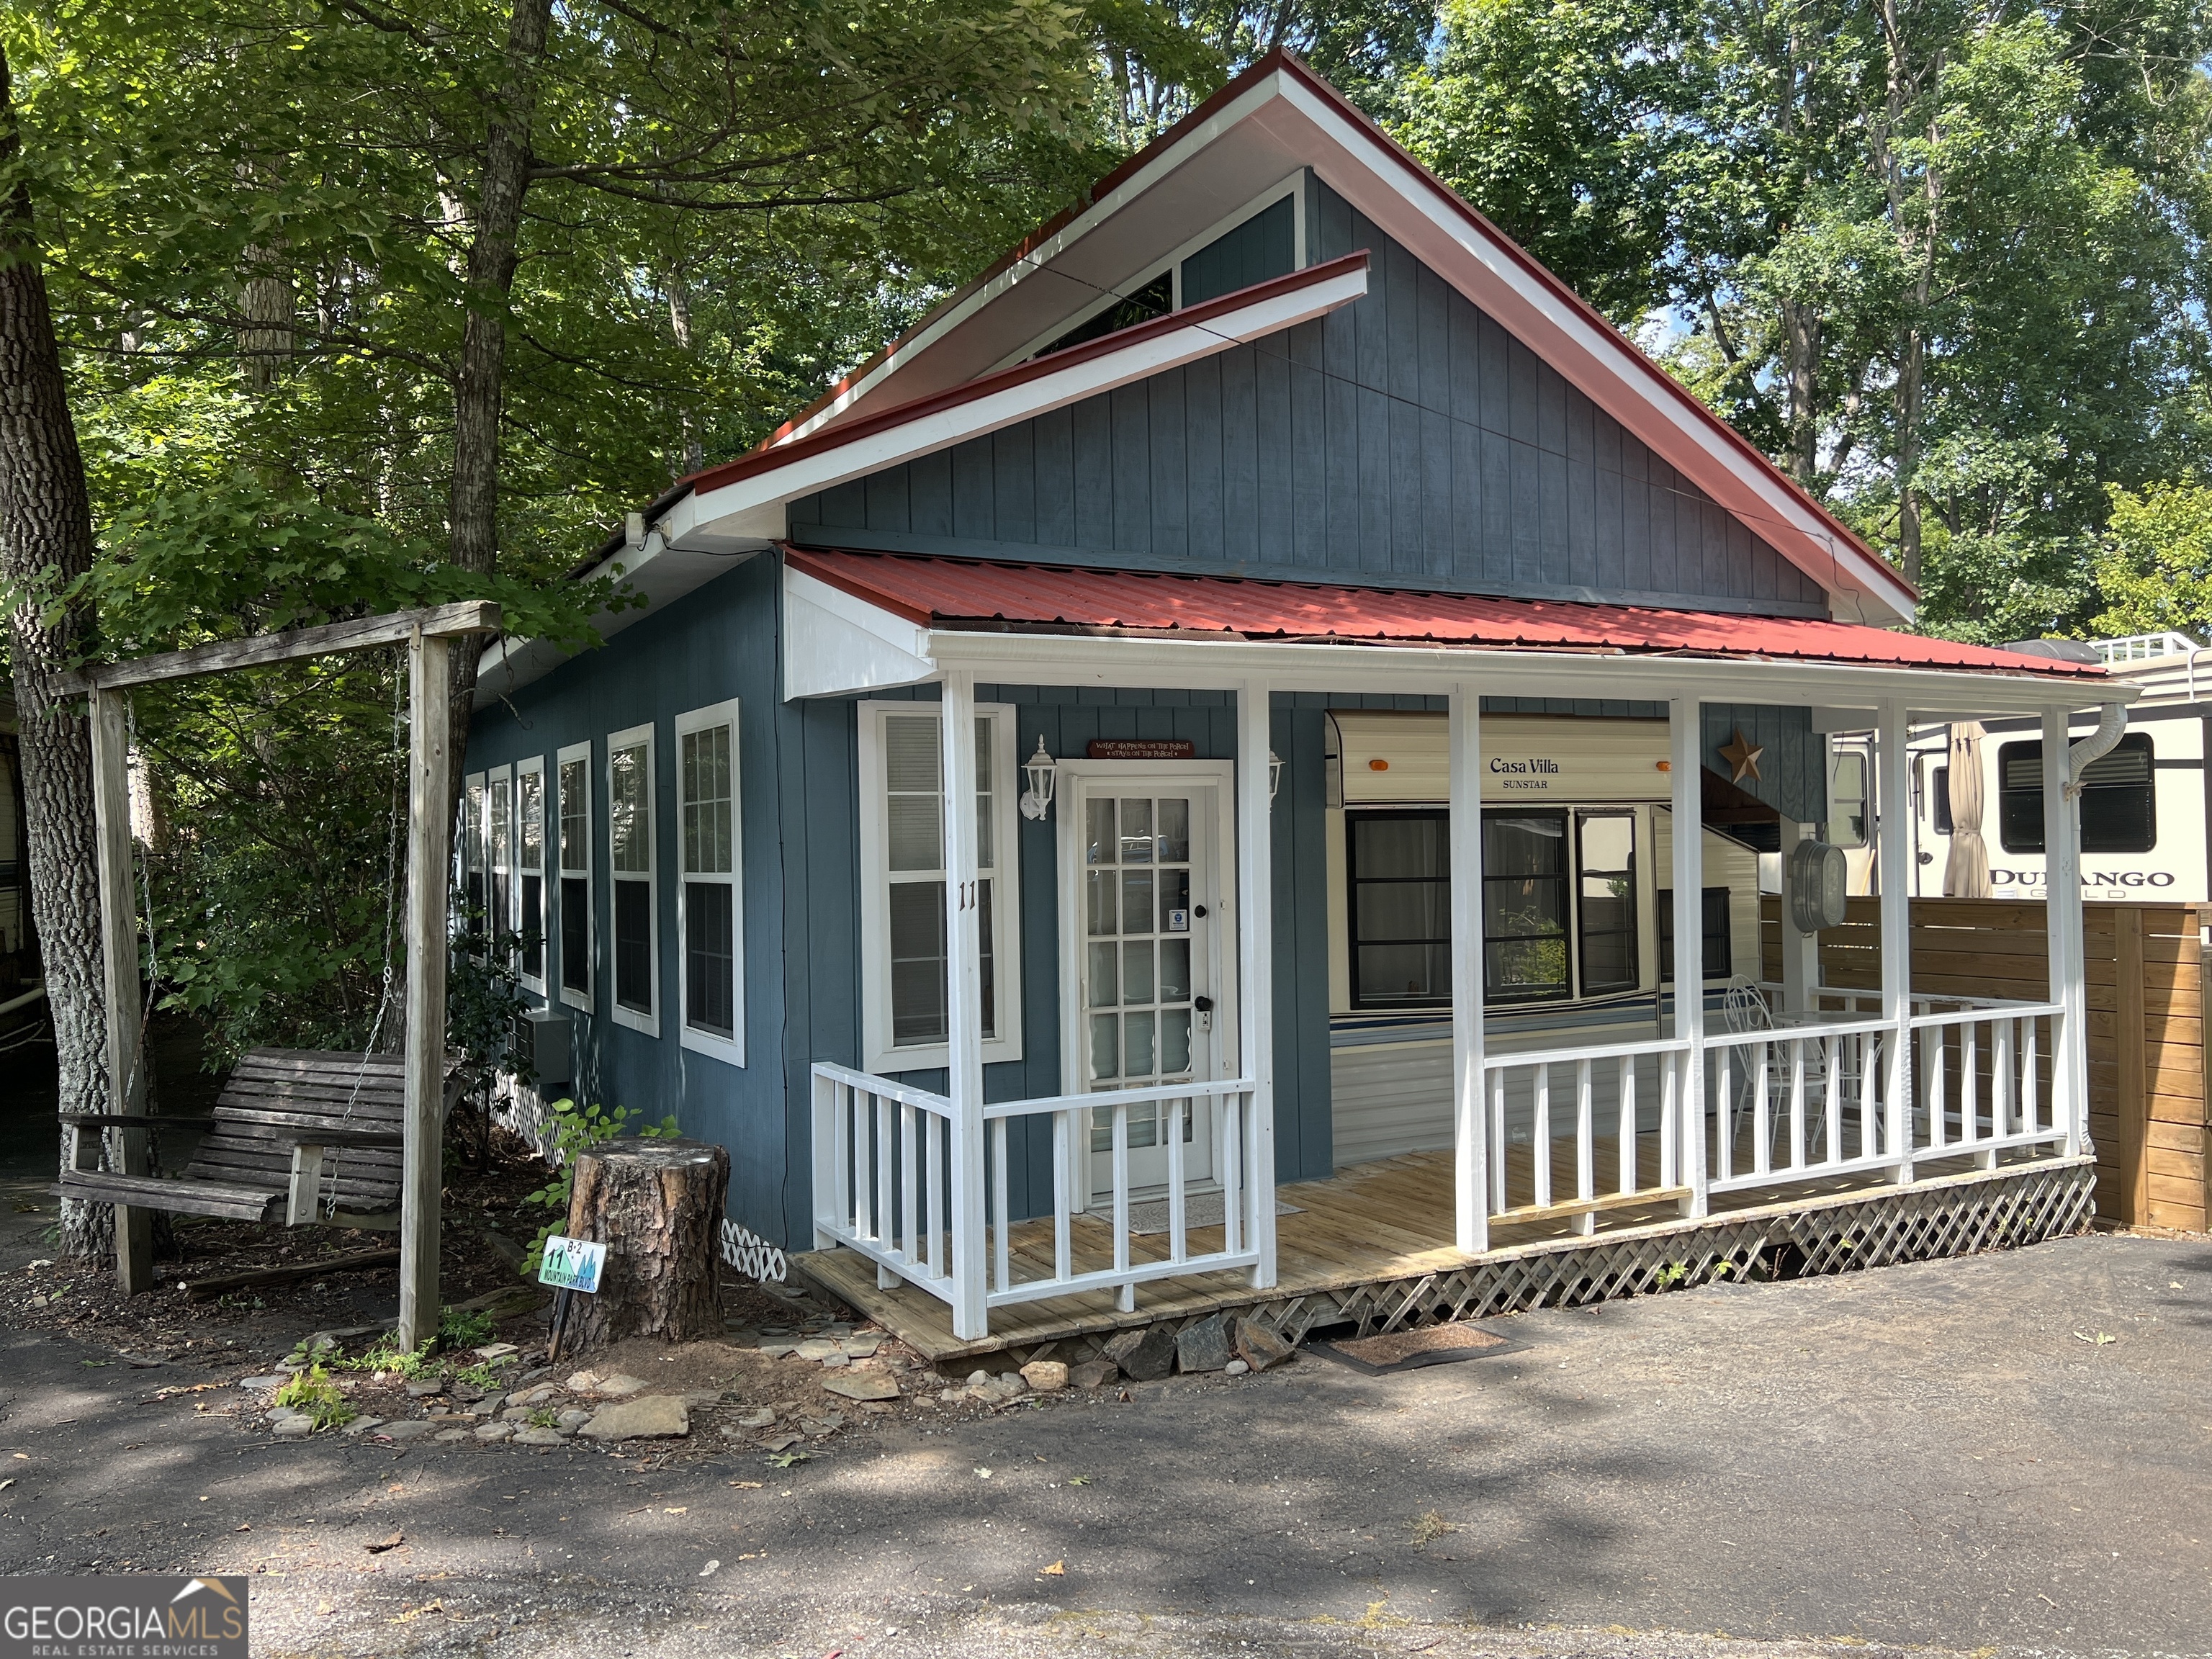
[450, 1434]
[494, 1432]
[785, 1442]
[276, 1382]
[1008, 1385]
[863, 1347]
[538, 1437]
[496, 1350]
[363, 1425]
[762, 1417]
[1144, 1355]
[1093, 1373]
[621, 1386]
[583, 1381]
[407, 1429]
[817, 1349]
[1236, 1368]
[862, 1385]
[979, 1379]
[517, 1413]
[536, 1396]
[697, 1397]
[776, 1349]
[1260, 1347]
[488, 1406]
[424, 1388]
[1045, 1375]
[1203, 1346]
[648, 1417]
[835, 1361]
[292, 1427]
[572, 1420]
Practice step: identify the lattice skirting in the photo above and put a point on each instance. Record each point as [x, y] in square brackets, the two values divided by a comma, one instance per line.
[1958, 1215]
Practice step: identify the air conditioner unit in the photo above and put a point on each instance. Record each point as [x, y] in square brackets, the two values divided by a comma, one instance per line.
[541, 1046]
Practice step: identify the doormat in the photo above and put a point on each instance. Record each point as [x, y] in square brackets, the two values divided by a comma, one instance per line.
[1405, 1350]
[1199, 1210]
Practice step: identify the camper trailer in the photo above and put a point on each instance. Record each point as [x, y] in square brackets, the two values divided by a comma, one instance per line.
[2146, 805]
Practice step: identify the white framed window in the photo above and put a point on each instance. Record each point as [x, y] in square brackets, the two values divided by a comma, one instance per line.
[499, 862]
[572, 780]
[529, 872]
[475, 896]
[710, 911]
[903, 987]
[634, 958]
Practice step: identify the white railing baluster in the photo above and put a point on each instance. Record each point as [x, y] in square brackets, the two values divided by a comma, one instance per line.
[2030, 1085]
[1762, 1114]
[1624, 1094]
[1232, 1172]
[1798, 1102]
[1933, 1051]
[1869, 1065]
[934, 1130]
[909, 1167]
[841, 1156]
[864, 1168]
[1831, 1122]
[886, 1172]
[1970, 1099]
[1540, 1138]
[1121, 1157]
[2003, 1034]
[1724, 1112]
[1670, 1119]
[1585, 1147]
[1000, 1242]
[1178, 1243]
[1065, 1129]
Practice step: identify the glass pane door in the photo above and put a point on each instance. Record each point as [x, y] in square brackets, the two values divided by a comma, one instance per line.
[1146, 1015]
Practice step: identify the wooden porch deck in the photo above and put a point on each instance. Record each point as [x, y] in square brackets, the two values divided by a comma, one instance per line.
[1378, 1223]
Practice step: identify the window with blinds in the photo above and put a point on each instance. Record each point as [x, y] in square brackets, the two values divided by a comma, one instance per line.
[631, 871]
[707, 903]
[573, 856]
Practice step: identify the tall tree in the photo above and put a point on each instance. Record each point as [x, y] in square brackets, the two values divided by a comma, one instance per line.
[45, 540]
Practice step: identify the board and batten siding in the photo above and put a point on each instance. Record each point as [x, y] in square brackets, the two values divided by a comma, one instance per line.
[1406, 439]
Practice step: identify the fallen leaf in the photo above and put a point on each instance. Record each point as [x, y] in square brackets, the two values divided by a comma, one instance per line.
[2098, 1340]
[409, 1615]
[986, 1473]
[1057, 1570]
[682, 1509]
[790, 1457]
[1078, 1479]
[747, 1486]
[247, 1526]
[390, 1543]
[9, 1482]
[710, 1569]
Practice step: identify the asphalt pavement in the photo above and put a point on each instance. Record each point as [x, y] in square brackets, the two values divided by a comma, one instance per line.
[2006, 1455]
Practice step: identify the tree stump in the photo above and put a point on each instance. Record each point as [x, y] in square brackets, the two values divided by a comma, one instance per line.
[657, 1205]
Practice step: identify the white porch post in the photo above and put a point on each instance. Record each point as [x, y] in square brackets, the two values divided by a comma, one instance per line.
[1470, 1131]
[1685, 730]
[2063, 941]
[964, 1007]
[1893, 856]
[1255, 964]
[1801, 951]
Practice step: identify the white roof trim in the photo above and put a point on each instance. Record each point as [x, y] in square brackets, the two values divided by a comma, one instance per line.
[1028, 264]
[834, 643]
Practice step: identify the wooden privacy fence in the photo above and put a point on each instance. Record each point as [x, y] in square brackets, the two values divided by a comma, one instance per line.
[2146, 967]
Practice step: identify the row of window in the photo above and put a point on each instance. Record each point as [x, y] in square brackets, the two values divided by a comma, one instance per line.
[507, 858]
[2119, 798]
[1559, 907]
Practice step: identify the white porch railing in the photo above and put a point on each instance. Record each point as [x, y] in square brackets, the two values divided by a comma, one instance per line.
[1573, 1132]
[886, 1185]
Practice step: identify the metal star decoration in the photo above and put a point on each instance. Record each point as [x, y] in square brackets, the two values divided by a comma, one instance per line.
[1743, 756]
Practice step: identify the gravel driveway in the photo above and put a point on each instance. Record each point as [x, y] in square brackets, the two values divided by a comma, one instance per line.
[2008, 1455]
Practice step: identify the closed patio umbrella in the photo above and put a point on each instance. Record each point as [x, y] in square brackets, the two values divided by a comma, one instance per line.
[1966, 870]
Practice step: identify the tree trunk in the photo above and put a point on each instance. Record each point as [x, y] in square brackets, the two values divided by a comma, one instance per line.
[657, 1205]
[45, 541]
[494, 248]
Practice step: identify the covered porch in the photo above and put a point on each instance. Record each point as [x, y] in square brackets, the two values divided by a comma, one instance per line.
[1771, 1111]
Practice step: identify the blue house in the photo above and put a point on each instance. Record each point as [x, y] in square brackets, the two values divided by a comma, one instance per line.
[1163, 792]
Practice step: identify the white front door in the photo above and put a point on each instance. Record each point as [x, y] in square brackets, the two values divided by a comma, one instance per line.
[1149, 980]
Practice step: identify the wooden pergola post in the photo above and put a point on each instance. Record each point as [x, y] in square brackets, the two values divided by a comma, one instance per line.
[429, 841]
[429, 635]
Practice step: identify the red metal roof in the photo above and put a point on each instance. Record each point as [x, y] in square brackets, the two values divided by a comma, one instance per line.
[937, 591]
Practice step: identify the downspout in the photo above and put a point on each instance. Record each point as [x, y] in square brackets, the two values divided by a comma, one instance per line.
[2112, 726]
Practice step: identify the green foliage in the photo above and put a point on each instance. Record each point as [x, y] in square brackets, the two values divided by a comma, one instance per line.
[579, 1129]
[2154, 561]
[312, 1392]
[465, 1329]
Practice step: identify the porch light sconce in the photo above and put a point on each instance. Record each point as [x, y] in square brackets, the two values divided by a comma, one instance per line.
[1036, 801]
[1275, 776]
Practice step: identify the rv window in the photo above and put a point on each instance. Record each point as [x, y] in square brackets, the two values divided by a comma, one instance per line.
[1524, 907]
[1847, 794]
[2119, 798]
[1398, 866]
[1720, 960]
[1605, 916]
[1939, 800]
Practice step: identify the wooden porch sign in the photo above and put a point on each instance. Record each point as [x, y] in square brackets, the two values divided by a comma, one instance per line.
[1140, 749]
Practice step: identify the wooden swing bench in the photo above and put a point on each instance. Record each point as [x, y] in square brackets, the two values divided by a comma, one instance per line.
[290, 1123]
